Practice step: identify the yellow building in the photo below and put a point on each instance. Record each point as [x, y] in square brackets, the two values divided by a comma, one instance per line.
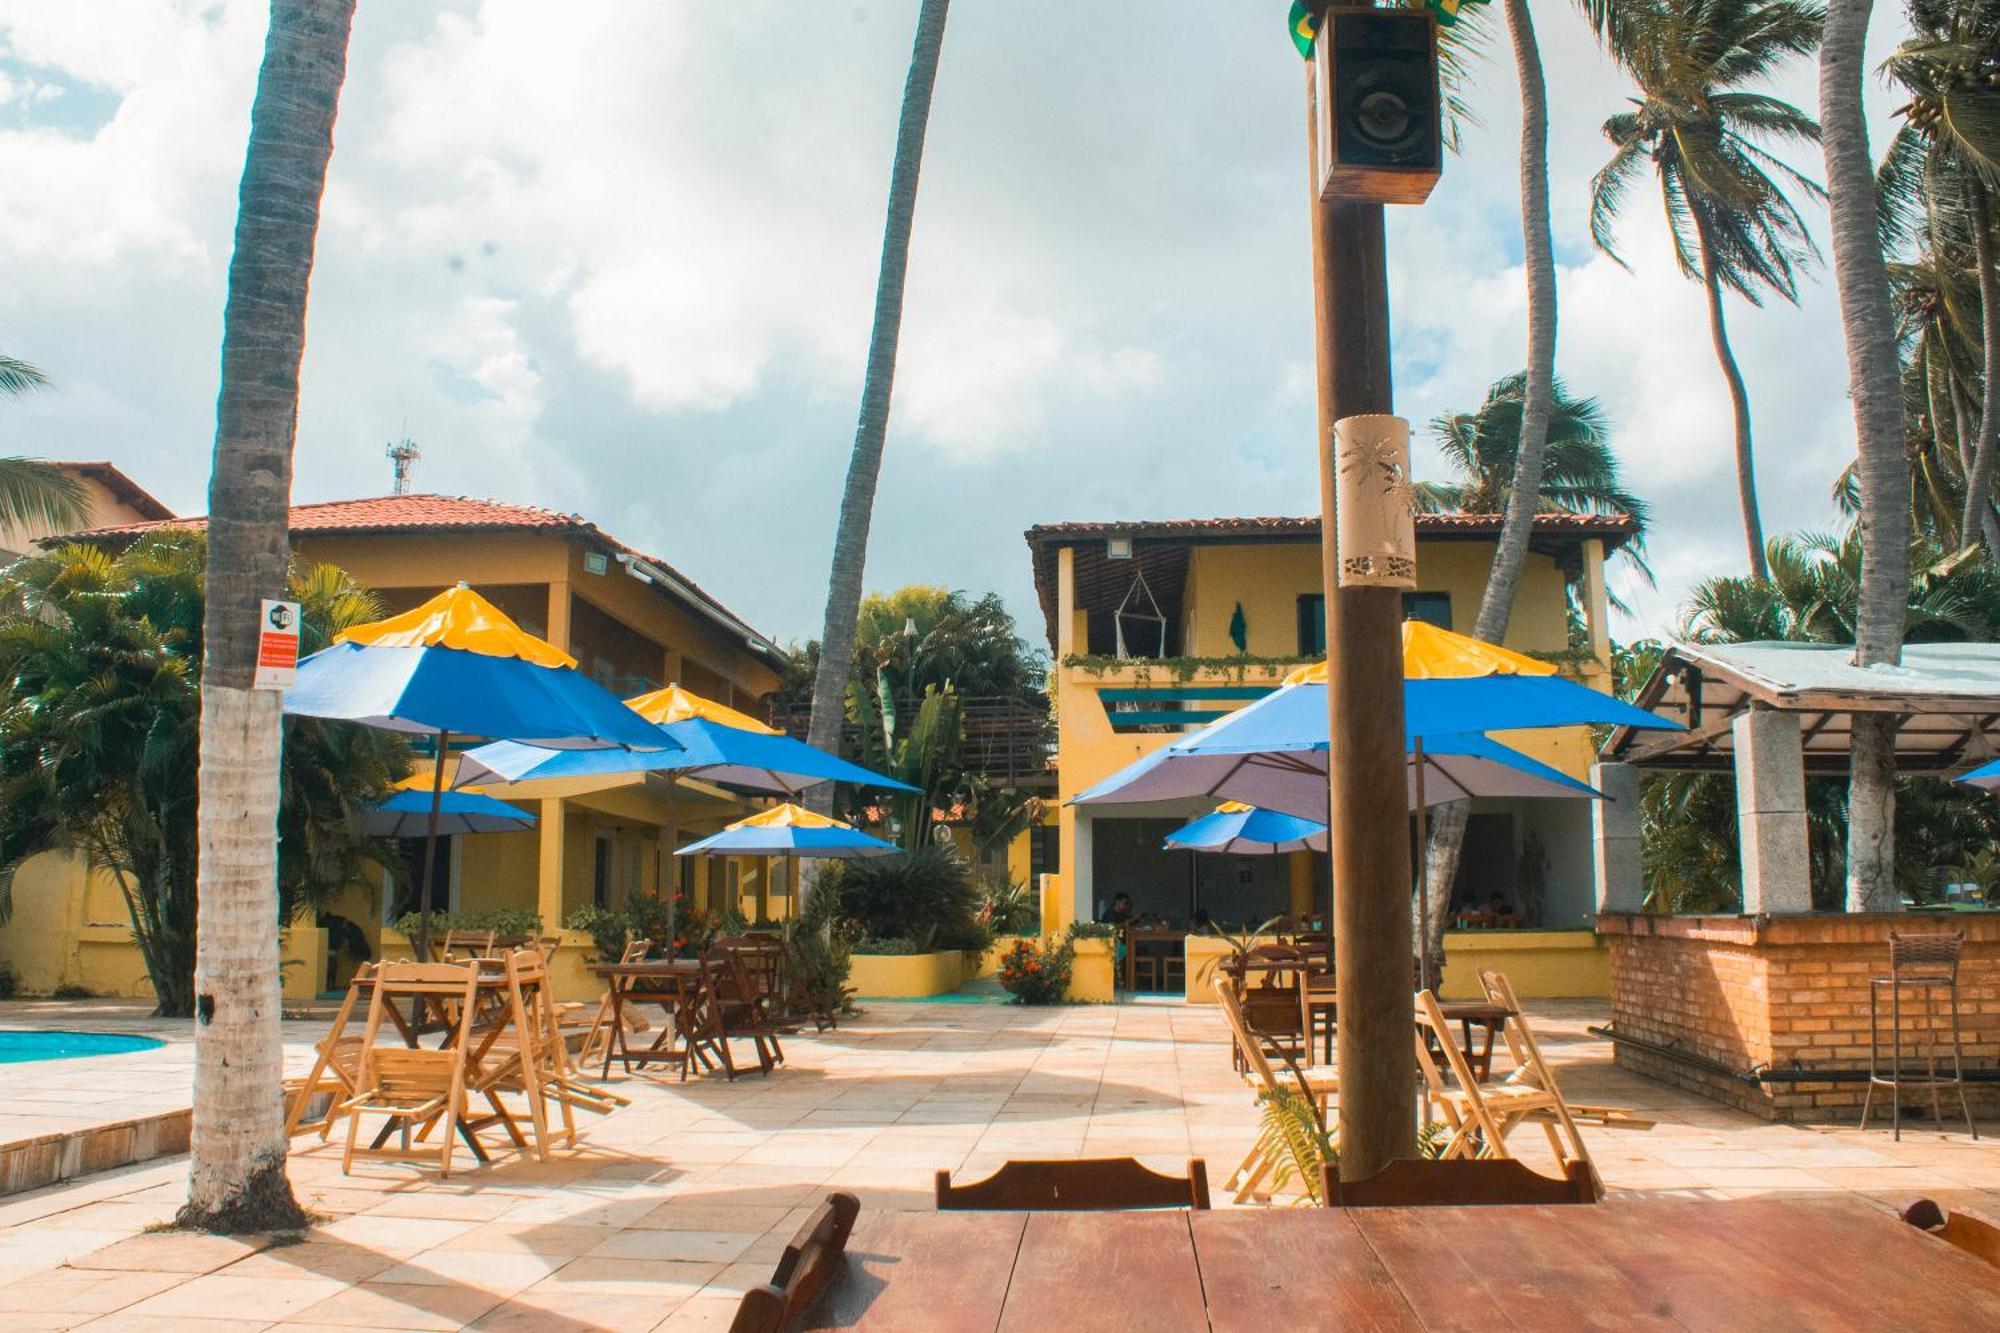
[1158, 627]
[110, 497]
[632, 621]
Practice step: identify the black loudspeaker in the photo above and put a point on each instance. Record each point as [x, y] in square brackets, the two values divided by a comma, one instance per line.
[1381, 133]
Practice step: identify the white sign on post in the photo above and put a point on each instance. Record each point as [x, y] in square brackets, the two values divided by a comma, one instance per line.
[277, 645]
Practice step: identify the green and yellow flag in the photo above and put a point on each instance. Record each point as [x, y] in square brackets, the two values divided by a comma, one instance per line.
[1447, 11]
[1305, 28]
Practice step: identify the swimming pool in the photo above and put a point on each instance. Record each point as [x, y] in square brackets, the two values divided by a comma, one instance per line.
[17, 1045]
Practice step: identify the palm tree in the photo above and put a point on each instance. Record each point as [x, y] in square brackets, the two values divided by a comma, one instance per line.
[1937, 181]
[32, 493]
[1580, 472]
[237, 1176]
[99, 752]
[1734, 227]
[1874, 383]
[864, 466]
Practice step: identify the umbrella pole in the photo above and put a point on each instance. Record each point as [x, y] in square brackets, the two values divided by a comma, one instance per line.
[1423, 875]
[792, 883]
[423, 940]
[673, 860]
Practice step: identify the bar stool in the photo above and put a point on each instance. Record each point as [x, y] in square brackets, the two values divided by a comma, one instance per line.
[1923, 965]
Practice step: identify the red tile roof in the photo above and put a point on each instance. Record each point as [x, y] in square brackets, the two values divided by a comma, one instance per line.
[1615, 526]
[125, 490]
[385, 514]
[1162, 545]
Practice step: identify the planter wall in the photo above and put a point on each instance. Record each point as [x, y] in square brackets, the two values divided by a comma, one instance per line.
[906, 976]
[1091, 976]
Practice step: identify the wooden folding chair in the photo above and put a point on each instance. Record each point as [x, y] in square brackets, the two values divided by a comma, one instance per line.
[1478, 1116]
[1415, 1183]
[1975, 1235]
[414, 1088]
[336, 1064]
[731, 1010]
[1318, 1089]
[1532, 1070]
[1519, 1037]
[560, 1078]
[1100, 1184]
[597, 1044]
[464, 945]
[809, 1260]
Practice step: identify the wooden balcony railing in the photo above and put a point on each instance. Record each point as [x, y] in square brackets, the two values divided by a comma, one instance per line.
[1008, 741]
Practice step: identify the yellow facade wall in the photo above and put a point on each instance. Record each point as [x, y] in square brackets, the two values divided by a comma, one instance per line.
[906, 976]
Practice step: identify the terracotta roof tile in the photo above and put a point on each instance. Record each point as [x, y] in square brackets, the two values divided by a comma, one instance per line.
[444, 513]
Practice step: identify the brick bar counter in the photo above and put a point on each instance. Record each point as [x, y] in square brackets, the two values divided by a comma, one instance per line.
[1738, 1008]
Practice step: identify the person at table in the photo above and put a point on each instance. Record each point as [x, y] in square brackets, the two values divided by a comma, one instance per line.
[1499, 912]
[1119, 912]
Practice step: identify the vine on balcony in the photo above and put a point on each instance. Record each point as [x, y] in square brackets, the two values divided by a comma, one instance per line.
[1236, 666]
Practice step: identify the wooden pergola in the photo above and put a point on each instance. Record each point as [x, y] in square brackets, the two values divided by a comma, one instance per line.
[1947, 696]
[1775, 714]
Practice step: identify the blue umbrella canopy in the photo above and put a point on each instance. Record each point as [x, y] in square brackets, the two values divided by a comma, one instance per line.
[1294, 716]
[406, 814]
[1249, 830]
[1986, 776]
[457, 664]
[697, 748]
[1293, 782]
[789, 830]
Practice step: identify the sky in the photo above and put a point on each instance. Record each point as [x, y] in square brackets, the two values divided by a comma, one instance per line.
[623, 265]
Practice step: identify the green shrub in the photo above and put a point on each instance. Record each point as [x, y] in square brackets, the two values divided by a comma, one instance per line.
[1037, 973]
[1092, 930]
[609, 930]
[927, 896]
[499, 920]
[893, 947]
[1008, 906]
[7, 983]
[818, 959]
[69, 990]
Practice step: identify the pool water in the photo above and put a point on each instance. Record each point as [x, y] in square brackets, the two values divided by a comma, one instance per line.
[17, 1046]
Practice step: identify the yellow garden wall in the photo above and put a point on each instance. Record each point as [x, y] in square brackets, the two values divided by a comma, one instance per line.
[1541, 964]
[1092, 974]
[70, 927]
[906, 976]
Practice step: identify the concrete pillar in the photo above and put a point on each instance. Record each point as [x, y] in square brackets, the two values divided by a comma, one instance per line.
[1077, 855]
[1065, 603]
[549, 885]
[1596, 602]
[1614, 839]
[1301, 869]
[1771, 812]
[559, 614]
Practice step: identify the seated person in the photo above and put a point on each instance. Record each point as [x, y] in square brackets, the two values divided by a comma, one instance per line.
[1119, 913]
[1500, 912]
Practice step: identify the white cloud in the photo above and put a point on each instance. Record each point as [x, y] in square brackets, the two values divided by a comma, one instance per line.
[642, 242]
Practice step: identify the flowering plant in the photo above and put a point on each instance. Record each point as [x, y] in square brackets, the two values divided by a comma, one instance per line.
[1034, 972]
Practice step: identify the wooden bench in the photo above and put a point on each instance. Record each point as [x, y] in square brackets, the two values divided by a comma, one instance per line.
[809, 1260]
[1089, 1185]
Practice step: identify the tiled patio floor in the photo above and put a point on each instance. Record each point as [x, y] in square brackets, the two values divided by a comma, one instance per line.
[679, 1201]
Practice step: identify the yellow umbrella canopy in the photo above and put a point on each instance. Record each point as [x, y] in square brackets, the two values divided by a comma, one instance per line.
[1430, 653]
[674, 704]
[459, 618]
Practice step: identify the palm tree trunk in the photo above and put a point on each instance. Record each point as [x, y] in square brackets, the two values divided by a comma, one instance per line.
[1874, 384]
[237, 1177]
[864, 466]
[1496, 605]
[1979, 477]
[1739, 406]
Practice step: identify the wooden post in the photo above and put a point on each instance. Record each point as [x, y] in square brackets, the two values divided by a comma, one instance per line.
[1368, 834]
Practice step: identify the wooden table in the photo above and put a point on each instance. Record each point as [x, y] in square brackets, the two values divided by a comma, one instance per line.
[1745, 1264]
[1138, 935]
[1490, 1017]
[675, 984]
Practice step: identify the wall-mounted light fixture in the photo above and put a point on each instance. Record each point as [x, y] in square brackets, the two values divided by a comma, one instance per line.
[1372, 502]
